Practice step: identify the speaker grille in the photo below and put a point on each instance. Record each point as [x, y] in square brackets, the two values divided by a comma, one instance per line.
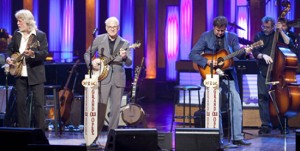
[132, 140]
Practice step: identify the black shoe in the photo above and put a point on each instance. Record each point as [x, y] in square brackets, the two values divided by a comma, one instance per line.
[285, 131]
[241, 142]
[264, 130]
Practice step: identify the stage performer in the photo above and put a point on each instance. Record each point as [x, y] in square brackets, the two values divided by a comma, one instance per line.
[29, 84]
[112, 87]
[211, 42]
[262, 54]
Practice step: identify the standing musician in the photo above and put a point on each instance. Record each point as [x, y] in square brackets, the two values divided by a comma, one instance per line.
[32, 43]
[112, 87]
[262, 55]
[211, 42]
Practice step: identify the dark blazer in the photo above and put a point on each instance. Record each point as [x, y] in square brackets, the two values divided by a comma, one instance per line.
[35, 66]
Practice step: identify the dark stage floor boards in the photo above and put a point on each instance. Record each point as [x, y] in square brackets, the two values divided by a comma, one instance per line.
[159, 116]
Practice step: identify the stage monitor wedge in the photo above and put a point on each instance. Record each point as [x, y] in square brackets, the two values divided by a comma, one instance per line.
[19, 138]
[140, 139]
[194, 139]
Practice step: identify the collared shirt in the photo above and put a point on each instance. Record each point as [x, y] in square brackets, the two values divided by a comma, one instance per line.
[23, 45]
[111, 45]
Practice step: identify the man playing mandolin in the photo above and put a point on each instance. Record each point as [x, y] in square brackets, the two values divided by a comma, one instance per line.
[28, 50]
[211, 42]
[113, 85]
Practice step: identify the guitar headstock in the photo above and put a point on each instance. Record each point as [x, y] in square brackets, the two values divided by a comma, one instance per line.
[135, 45]
[257, 44]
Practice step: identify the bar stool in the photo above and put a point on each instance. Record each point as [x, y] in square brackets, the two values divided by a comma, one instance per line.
[185, 88]
[56, 107]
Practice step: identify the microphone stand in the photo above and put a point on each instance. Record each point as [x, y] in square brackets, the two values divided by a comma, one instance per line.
[91, 54]
[6, 70]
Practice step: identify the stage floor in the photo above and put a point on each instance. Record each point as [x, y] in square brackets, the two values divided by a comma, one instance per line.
[159, 116]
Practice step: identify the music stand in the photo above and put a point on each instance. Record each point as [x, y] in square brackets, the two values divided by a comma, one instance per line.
[244, 67]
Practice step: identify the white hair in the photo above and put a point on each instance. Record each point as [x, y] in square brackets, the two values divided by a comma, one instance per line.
[27, 17]
[112, 19]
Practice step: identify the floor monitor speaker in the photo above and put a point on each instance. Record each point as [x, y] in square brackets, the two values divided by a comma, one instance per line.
[131, 140]
[165, 141]
[20, 138]
[191, 139]
[42, 147]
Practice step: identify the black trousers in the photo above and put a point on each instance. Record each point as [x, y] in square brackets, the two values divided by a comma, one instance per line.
[36, 92]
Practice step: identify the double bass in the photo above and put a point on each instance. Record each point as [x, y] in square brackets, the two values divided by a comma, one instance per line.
[281, 76]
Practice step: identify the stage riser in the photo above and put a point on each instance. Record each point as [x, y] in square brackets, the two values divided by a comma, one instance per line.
[250, 116]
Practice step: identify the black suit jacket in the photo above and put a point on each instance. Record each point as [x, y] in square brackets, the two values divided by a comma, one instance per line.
[35, 66]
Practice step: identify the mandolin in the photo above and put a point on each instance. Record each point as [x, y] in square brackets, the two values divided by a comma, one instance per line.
[15, 68]
[66, 97]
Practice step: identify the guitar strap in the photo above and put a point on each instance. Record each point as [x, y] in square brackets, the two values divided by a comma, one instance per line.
[28, 46]
[119, 47]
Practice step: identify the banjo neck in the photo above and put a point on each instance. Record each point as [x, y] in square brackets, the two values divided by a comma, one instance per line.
[136, 77]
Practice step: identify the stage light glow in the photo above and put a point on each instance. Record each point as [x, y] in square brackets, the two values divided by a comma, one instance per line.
[186, 23]
[172, 41]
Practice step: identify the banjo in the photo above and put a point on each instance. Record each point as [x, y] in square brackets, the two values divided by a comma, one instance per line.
[102, 63]
[133, 113]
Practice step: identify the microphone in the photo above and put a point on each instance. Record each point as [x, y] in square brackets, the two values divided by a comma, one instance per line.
[95, 30]
[220, 72]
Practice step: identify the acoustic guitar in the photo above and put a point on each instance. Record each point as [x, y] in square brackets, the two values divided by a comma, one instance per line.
[66, 97]
[224, 60]
[133, 113]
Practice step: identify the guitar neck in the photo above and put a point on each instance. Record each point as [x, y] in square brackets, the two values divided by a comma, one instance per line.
[236, 53]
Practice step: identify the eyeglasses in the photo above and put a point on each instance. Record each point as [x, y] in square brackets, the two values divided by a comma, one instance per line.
[266, 28]
[112, 27]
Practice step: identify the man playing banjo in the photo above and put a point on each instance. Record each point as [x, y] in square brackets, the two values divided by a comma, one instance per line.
[111, 87]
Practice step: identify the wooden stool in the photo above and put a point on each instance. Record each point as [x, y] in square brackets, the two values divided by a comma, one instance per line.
[185, 88]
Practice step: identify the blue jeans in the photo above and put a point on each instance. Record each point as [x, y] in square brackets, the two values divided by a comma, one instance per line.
[235, 106]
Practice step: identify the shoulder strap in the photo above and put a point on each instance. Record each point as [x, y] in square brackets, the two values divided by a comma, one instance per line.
[30, 41]
[119, 47]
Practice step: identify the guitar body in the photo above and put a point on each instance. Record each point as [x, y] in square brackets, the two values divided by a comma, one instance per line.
[15, 69]
[66, 98]
[133, 114]
[219, 57]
